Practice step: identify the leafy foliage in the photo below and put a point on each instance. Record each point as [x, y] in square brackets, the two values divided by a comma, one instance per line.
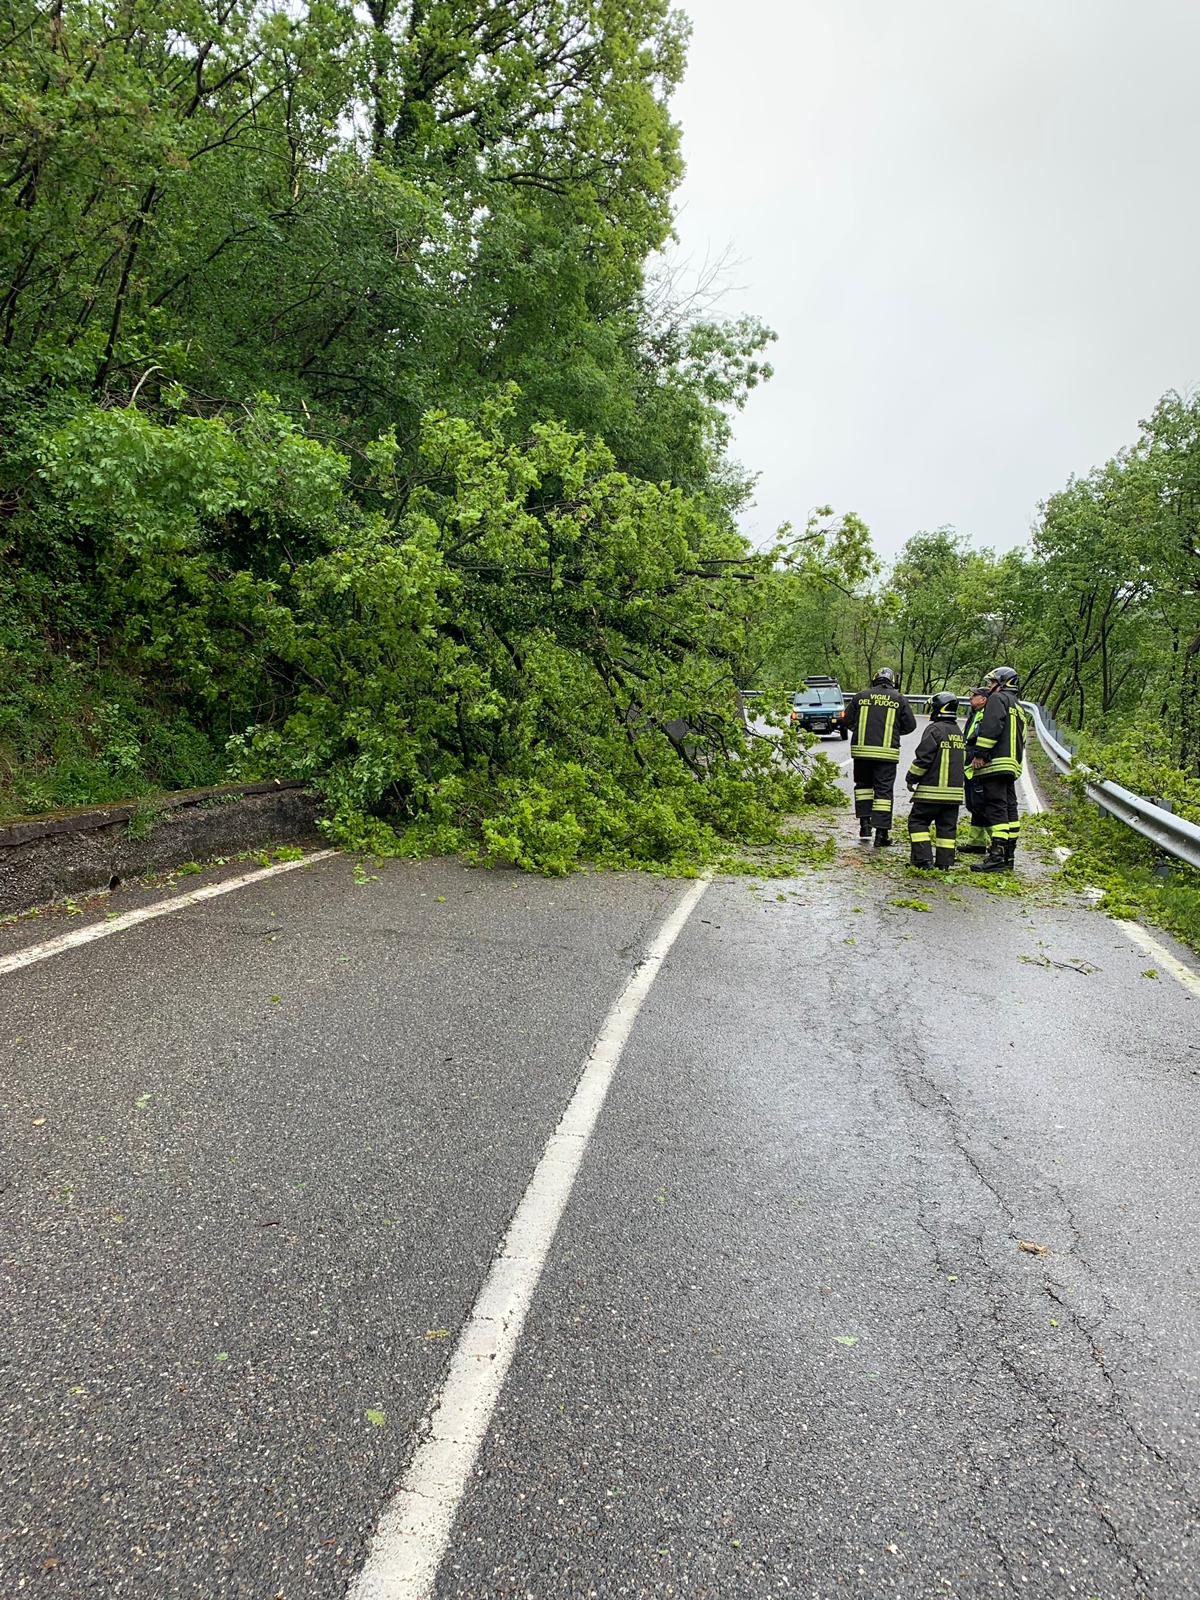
[347, 437]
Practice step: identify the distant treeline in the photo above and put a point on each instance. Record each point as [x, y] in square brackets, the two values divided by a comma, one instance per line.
[1100, 612]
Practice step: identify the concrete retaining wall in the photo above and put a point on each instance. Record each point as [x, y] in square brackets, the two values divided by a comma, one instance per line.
[88, 848]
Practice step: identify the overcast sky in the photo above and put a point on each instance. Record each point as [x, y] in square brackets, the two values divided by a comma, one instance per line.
[974, 226]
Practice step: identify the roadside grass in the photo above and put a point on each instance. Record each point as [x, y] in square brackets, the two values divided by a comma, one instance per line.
[1136, 882]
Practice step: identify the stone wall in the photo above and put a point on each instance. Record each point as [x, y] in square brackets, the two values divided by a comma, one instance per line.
[79, 851]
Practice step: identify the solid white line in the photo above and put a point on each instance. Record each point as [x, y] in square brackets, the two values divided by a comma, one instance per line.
[414, 1529]
[130, 919]
[1147, 942]
[1033, 802]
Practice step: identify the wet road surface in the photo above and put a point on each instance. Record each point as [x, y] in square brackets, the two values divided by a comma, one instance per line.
[259, 1154]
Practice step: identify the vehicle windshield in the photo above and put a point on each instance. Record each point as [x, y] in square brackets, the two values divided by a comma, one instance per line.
[817, 697]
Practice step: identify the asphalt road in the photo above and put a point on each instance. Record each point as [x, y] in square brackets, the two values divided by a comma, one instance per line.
[258, 1155]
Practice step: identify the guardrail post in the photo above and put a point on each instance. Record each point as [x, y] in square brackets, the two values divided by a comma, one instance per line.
[1162, 866]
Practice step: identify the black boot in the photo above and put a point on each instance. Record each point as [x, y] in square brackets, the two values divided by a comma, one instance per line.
[1010, 851]
[882, 838]
[993, 862]
[864, 827]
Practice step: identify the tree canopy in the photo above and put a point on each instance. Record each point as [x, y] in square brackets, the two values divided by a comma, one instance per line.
[348, 433]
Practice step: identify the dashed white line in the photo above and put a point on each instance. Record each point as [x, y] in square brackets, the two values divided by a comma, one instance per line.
[162, 908]
[414, 1530]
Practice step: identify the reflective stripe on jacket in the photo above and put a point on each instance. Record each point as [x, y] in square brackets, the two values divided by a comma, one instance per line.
[939, 764]
[879, 716]
[1000, 738]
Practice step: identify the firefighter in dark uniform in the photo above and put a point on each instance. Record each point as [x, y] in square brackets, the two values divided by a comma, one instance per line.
[877, 717]
[978, 839]
[936, 781]
[998, 760]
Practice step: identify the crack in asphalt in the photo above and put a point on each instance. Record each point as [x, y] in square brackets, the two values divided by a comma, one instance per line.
[892, 1038]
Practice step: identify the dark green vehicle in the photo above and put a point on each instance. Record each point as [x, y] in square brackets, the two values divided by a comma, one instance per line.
[820, 707]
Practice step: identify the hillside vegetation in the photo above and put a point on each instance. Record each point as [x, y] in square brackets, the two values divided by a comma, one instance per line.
[347, 436]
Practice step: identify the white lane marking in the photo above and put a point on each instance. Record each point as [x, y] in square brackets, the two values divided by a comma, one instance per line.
[414, 1528]
[1132, 930]
[1147, 942]
[130, 919]
[1033, 802]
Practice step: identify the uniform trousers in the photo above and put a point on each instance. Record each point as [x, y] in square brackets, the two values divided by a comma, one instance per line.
[978, 836]
[998, 807]
[933, 832]
[874, 782]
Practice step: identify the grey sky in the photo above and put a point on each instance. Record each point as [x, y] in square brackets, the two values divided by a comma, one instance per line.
[973, 226]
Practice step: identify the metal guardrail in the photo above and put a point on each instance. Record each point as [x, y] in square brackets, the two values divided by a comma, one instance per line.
[1176, 835]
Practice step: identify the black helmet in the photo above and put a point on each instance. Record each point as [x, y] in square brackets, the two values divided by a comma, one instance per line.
[1002, 678]
[944, 706]
[884, 675]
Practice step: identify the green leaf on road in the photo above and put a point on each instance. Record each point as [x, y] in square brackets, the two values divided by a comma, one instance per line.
[143, 1102]
[847, 1339]
[222, 1355]
[376, 1418]
[438, 1333]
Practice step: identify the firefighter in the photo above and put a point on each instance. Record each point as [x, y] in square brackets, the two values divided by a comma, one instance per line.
[998, 757]
[936, 781]
[877, 718]
[977, 839]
